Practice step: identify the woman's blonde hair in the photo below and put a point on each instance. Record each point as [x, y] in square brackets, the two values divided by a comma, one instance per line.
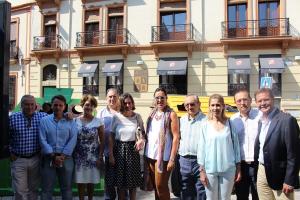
[221, 101]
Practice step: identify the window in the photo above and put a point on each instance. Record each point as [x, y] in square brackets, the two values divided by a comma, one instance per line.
[236, 82]
[268, 13]
[49, 73]
[174, 84]
[91, 84]
[115, 81]
[239, 69]
[237, 24]
[276, 77]
[115, 26]
[12, 91]
[91, 28]
[173, 26]
[13, 40]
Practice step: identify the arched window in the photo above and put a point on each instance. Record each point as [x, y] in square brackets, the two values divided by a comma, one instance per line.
[49, 73]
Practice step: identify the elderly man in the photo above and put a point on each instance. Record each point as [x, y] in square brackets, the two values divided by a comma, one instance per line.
[276, 148]
[25, 149]
[106, 114]
[190, 128]
[58, 138]
[245, 123]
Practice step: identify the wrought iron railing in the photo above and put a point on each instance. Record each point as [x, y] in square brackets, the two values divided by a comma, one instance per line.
[13, 52]
[174, 88]
[91, 89]
[46, 42]
[104, 37]
[256, 28]
[177, 32]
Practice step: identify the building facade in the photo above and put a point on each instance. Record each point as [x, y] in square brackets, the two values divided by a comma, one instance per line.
[188, 46]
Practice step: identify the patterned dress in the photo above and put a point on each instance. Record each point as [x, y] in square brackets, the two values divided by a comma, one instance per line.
[86, 152]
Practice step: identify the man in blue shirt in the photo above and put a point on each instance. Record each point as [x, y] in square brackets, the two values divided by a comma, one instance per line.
[190, 129]
[58, 138]
[25, 149]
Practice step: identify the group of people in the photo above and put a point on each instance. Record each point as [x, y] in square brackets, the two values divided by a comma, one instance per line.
[255, 150]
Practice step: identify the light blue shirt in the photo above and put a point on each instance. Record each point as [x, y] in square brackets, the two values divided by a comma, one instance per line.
[216, 153]
[190, 129]
[58, 136]
[265, 125]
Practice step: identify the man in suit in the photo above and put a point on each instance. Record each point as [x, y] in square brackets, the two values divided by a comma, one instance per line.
[276, 148]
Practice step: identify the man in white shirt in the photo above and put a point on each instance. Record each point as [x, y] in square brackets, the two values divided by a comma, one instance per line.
[190, 129]
[246, 125]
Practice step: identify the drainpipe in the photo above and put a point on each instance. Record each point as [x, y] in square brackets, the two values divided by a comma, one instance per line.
[202, 47]
[69, 42]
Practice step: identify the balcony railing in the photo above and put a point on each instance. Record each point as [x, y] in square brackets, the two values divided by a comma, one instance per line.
[104, 37]
[46, 42]
[256, 28]
[13, 52]
[176, 32]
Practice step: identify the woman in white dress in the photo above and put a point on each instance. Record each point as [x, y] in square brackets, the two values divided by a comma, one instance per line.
[88, 153]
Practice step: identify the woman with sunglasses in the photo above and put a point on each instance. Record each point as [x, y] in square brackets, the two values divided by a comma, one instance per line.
[218, 152]
[162, 140]
[125, 142]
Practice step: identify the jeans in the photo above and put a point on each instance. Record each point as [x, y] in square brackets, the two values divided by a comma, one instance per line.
[220, 185]
[192, 188]
[249, 178]
[25, 173]
[65, 177]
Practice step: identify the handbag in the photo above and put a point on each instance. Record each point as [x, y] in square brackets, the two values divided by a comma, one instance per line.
[176, 178]
[147, 184]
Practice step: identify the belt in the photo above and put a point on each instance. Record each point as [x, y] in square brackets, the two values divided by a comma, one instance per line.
[27, 155]
[248, 162]
[190, 156]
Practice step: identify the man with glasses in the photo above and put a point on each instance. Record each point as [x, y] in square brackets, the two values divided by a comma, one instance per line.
[190, 128]
[245, 123]
[25, 149]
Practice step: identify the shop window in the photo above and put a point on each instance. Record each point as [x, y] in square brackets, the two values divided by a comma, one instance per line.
[91, 83]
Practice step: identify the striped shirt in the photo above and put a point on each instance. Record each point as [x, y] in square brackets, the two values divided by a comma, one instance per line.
[190, 130]
[24, 133]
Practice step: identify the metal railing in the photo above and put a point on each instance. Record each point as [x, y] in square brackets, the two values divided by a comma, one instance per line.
[46, 42]
[256, 28]
[104, 37]
[13, 52]
[177, 32]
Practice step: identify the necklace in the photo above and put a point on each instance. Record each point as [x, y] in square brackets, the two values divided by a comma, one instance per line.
[158, 117]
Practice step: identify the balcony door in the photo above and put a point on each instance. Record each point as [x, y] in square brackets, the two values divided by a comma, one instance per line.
[92, 36]
[269, 18]
[237, 24]
[115, 32]
[173, 26]
[50, 31]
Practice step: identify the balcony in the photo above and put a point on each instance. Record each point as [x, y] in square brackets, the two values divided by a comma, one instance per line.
[268, 32]
[47, 46]
[179, 36]
[13, 52]
[106, 40]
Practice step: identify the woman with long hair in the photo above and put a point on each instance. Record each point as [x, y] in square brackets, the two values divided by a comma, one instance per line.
[162, 140]
[218, 152]
[88, 153]
[125, 142]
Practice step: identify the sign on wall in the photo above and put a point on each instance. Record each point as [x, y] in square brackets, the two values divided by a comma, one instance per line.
[266, 82]
[140, 80]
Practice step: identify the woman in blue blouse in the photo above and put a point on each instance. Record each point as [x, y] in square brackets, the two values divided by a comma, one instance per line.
[218, 152]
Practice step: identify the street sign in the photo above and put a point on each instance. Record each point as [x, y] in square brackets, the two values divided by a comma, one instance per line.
[266, 82]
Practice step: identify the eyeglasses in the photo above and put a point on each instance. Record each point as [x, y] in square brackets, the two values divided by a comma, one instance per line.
[189, 104]
[160, 98]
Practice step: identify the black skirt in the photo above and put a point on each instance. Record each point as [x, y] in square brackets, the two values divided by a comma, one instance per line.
[127, 165]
